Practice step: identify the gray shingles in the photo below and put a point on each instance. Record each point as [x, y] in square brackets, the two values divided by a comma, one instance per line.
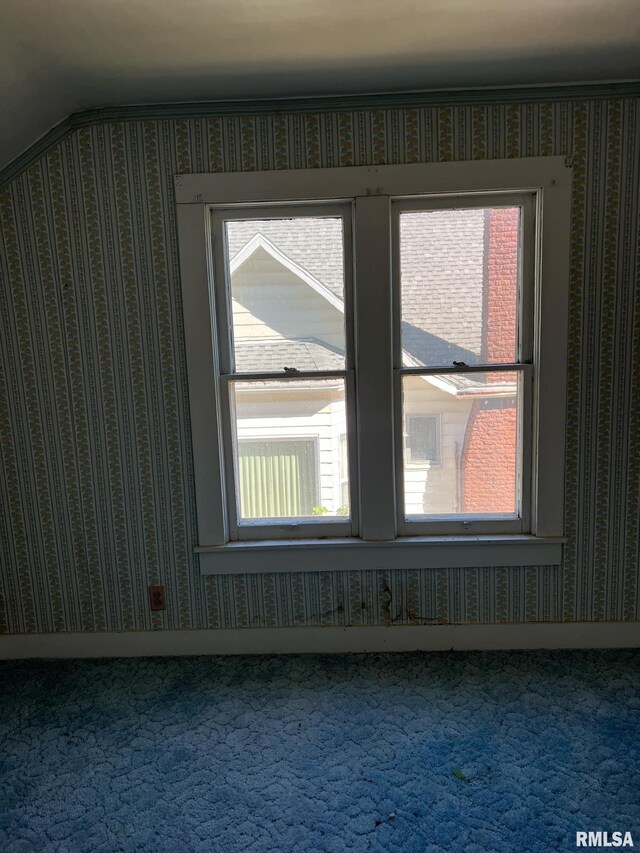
[442, 269]
[313, 243]
[442, 274]
[275, 354]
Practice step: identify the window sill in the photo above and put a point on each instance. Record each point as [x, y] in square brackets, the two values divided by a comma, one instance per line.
[410, 552]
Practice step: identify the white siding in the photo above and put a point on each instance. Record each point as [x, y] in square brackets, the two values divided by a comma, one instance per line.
[432, 487]
[271, 302]
[299, 414]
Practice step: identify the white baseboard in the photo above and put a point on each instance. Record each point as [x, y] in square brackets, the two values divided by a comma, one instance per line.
[550, 635]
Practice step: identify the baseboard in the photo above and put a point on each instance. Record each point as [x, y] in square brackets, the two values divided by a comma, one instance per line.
[577, 635]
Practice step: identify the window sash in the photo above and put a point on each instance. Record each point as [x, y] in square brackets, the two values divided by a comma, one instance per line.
[460, 524]
[220, 271]
[245, 529]
[474, 524]
[290, 528]
[376, 289]
[530, 236]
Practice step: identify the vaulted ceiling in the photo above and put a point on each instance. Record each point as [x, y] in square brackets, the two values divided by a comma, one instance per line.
[62, 56]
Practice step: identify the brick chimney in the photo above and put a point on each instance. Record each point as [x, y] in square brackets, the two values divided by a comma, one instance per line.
[489, 451]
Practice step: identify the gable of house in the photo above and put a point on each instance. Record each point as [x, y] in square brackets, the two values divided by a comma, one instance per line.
[282, 315]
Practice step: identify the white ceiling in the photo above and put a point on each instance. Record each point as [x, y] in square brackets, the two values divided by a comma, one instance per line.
[61, 56]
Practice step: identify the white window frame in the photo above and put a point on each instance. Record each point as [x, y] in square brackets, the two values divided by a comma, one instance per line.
[379, 544]
[220, 290]
[525, 359]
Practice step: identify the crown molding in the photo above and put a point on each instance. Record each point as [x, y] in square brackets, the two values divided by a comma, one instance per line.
[315, 104]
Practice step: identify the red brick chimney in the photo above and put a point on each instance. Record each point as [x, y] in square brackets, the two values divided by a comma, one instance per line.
[489, 451]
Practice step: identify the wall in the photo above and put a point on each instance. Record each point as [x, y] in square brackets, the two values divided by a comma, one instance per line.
[97, 486]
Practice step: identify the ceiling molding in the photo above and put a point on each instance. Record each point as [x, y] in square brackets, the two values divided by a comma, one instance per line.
[391, 100]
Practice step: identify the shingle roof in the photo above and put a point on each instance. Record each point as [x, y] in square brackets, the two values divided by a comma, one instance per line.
[277, 353]
[314, 243]
[442, 299]
[442, 274]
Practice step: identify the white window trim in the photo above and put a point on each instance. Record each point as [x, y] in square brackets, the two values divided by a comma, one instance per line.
[377, 545]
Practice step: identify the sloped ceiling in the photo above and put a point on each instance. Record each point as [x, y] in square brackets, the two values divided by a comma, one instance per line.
[62, 56]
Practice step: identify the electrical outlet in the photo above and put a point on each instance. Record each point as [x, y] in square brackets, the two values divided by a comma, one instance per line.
[157, 598]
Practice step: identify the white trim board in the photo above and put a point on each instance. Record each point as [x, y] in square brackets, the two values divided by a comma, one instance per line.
[410, 552]
[231, 188]
[330, 640]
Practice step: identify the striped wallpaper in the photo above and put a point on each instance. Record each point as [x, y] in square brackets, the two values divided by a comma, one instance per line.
[96, 492]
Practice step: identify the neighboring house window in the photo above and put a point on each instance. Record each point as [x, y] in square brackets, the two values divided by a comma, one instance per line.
[277, 478]
[422, 440]
[414, 318]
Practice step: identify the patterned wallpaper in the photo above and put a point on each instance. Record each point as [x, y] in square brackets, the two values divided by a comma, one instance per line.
[96, 492]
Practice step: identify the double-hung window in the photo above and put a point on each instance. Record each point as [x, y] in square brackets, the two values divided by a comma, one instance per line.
[376, 362]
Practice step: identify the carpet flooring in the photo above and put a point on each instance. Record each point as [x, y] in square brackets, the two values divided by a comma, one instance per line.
[414, 753]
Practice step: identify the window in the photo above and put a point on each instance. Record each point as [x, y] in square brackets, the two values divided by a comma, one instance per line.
[277, 478]
[376, 364]
[422, 440]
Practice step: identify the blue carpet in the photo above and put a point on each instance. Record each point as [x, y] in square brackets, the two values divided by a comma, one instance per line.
[419, 753]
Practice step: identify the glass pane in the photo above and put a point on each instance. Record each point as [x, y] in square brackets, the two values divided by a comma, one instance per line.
[459, 279]
[461, 443]
[287, 293]
[291, 459]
